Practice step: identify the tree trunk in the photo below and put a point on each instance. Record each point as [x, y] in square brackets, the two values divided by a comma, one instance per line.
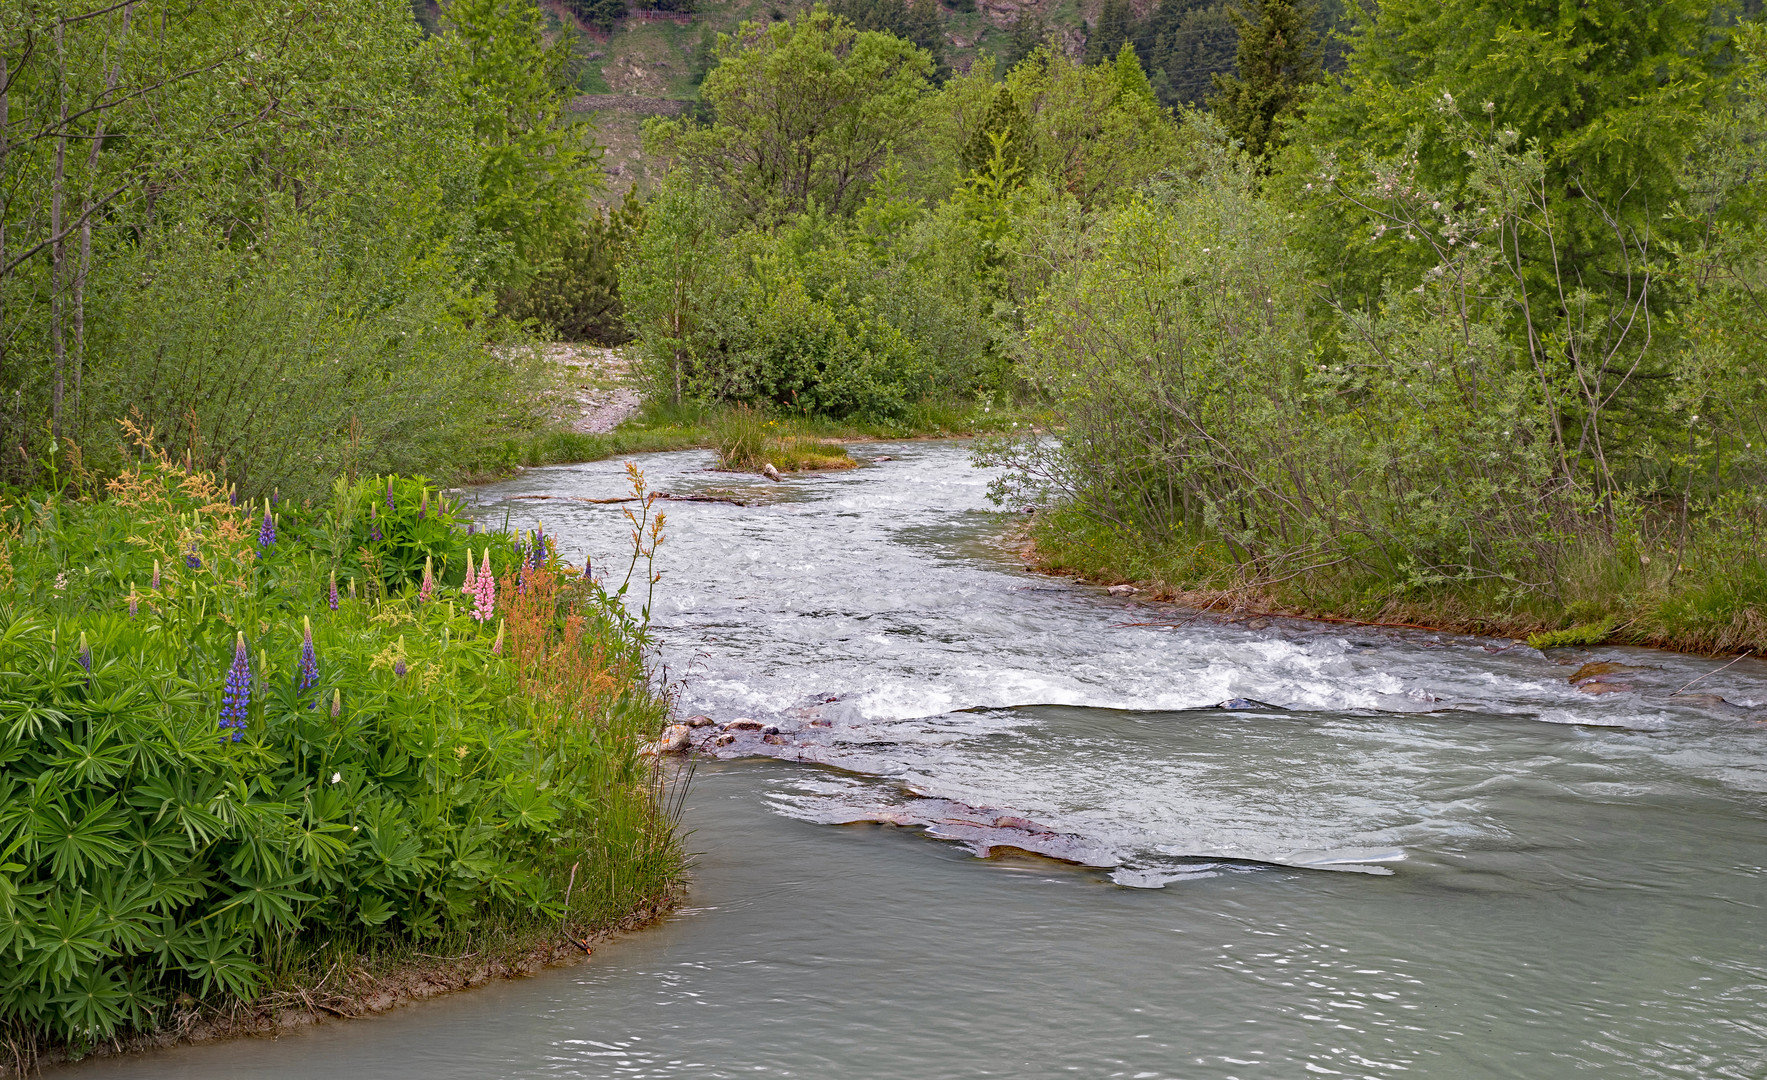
[57, 248]
[113, 72]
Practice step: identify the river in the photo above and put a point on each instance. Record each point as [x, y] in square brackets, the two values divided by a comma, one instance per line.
[1404, 854]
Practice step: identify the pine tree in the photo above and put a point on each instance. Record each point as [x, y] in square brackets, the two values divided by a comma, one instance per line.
[1004, 118]
[1116, 24]
[1277, 65]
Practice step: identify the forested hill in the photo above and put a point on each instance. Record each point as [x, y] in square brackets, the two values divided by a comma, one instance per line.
[661, 49]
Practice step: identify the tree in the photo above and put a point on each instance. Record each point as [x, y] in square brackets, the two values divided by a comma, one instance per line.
[1277, 65]
[915, 21]
[1006, 125]
[807, 111]
[1116, 24]
[1028, 32]
[1185, 44]
[538, 167]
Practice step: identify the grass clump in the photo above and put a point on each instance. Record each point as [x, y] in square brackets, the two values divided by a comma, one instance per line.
[747, 441]
[241, 742]
[1582, 634]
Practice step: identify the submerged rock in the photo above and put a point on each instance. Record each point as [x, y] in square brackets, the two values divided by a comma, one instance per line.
[743, 723]
[698, 721]
[1599, 672]
[1240, 703]
[1121, 590]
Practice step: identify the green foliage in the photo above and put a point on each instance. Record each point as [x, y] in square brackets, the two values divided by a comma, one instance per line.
[806, 113]
[417, 779]
[267, 232]
[914, 21]
[577, 296]
[1586, 634]
[536, 168]
[1276, 68]
[602, 15]
[1115, 26]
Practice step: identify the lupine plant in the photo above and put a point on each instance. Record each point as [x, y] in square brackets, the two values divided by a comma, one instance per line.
[177, 817]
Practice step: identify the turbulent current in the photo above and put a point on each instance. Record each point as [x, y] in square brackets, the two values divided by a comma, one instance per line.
[1005, 829]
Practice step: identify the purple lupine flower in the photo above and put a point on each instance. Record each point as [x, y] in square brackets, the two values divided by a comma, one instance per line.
[193, 558]
[84, 656]
[134, 601]
[427, 591]
[156, 575]
[334, 590]
[390, 504]
[423, 507]
[309, 658]
[470, 526]
[232, 494]
[237, 695]
[373, 524]
[399, 667]
[267, 531]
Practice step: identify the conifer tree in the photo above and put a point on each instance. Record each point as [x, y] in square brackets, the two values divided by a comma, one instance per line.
[1278, 63]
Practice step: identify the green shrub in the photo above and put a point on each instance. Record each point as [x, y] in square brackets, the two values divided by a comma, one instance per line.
[577, 296]
[190, 797]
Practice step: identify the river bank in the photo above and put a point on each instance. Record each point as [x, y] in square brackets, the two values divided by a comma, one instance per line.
[344, 985]
[1721, 616]
[271, 762]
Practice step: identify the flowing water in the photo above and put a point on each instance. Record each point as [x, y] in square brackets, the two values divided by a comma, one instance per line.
[1403, 854]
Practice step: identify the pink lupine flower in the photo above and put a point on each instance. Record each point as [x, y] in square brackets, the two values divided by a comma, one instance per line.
[485, 591]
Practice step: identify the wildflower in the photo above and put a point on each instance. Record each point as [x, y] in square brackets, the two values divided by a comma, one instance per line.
[334, 590]
[337, 777]
[337, 702]
[232, 495]
[134, 601]
[156, 576]
[193, 557]
[237, 695]
[267, 531]
[427, 591]
[399, 667]
[470, 526]
[84, 656]
[466, 587]
[497, 646]
[373, 524]
[485, 591]
[390, 504]
[309, 658]
[423, 507]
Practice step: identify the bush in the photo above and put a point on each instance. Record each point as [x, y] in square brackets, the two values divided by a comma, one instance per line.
[215, 766]
[577, 297]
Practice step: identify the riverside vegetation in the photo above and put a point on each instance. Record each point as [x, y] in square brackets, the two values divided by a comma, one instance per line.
[1472, 339]
[247, 744]
[256, 744]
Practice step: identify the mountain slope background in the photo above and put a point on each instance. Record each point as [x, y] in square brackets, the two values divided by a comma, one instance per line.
[651, 60]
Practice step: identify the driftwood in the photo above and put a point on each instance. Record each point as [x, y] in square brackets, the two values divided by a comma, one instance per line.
[633, 498]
